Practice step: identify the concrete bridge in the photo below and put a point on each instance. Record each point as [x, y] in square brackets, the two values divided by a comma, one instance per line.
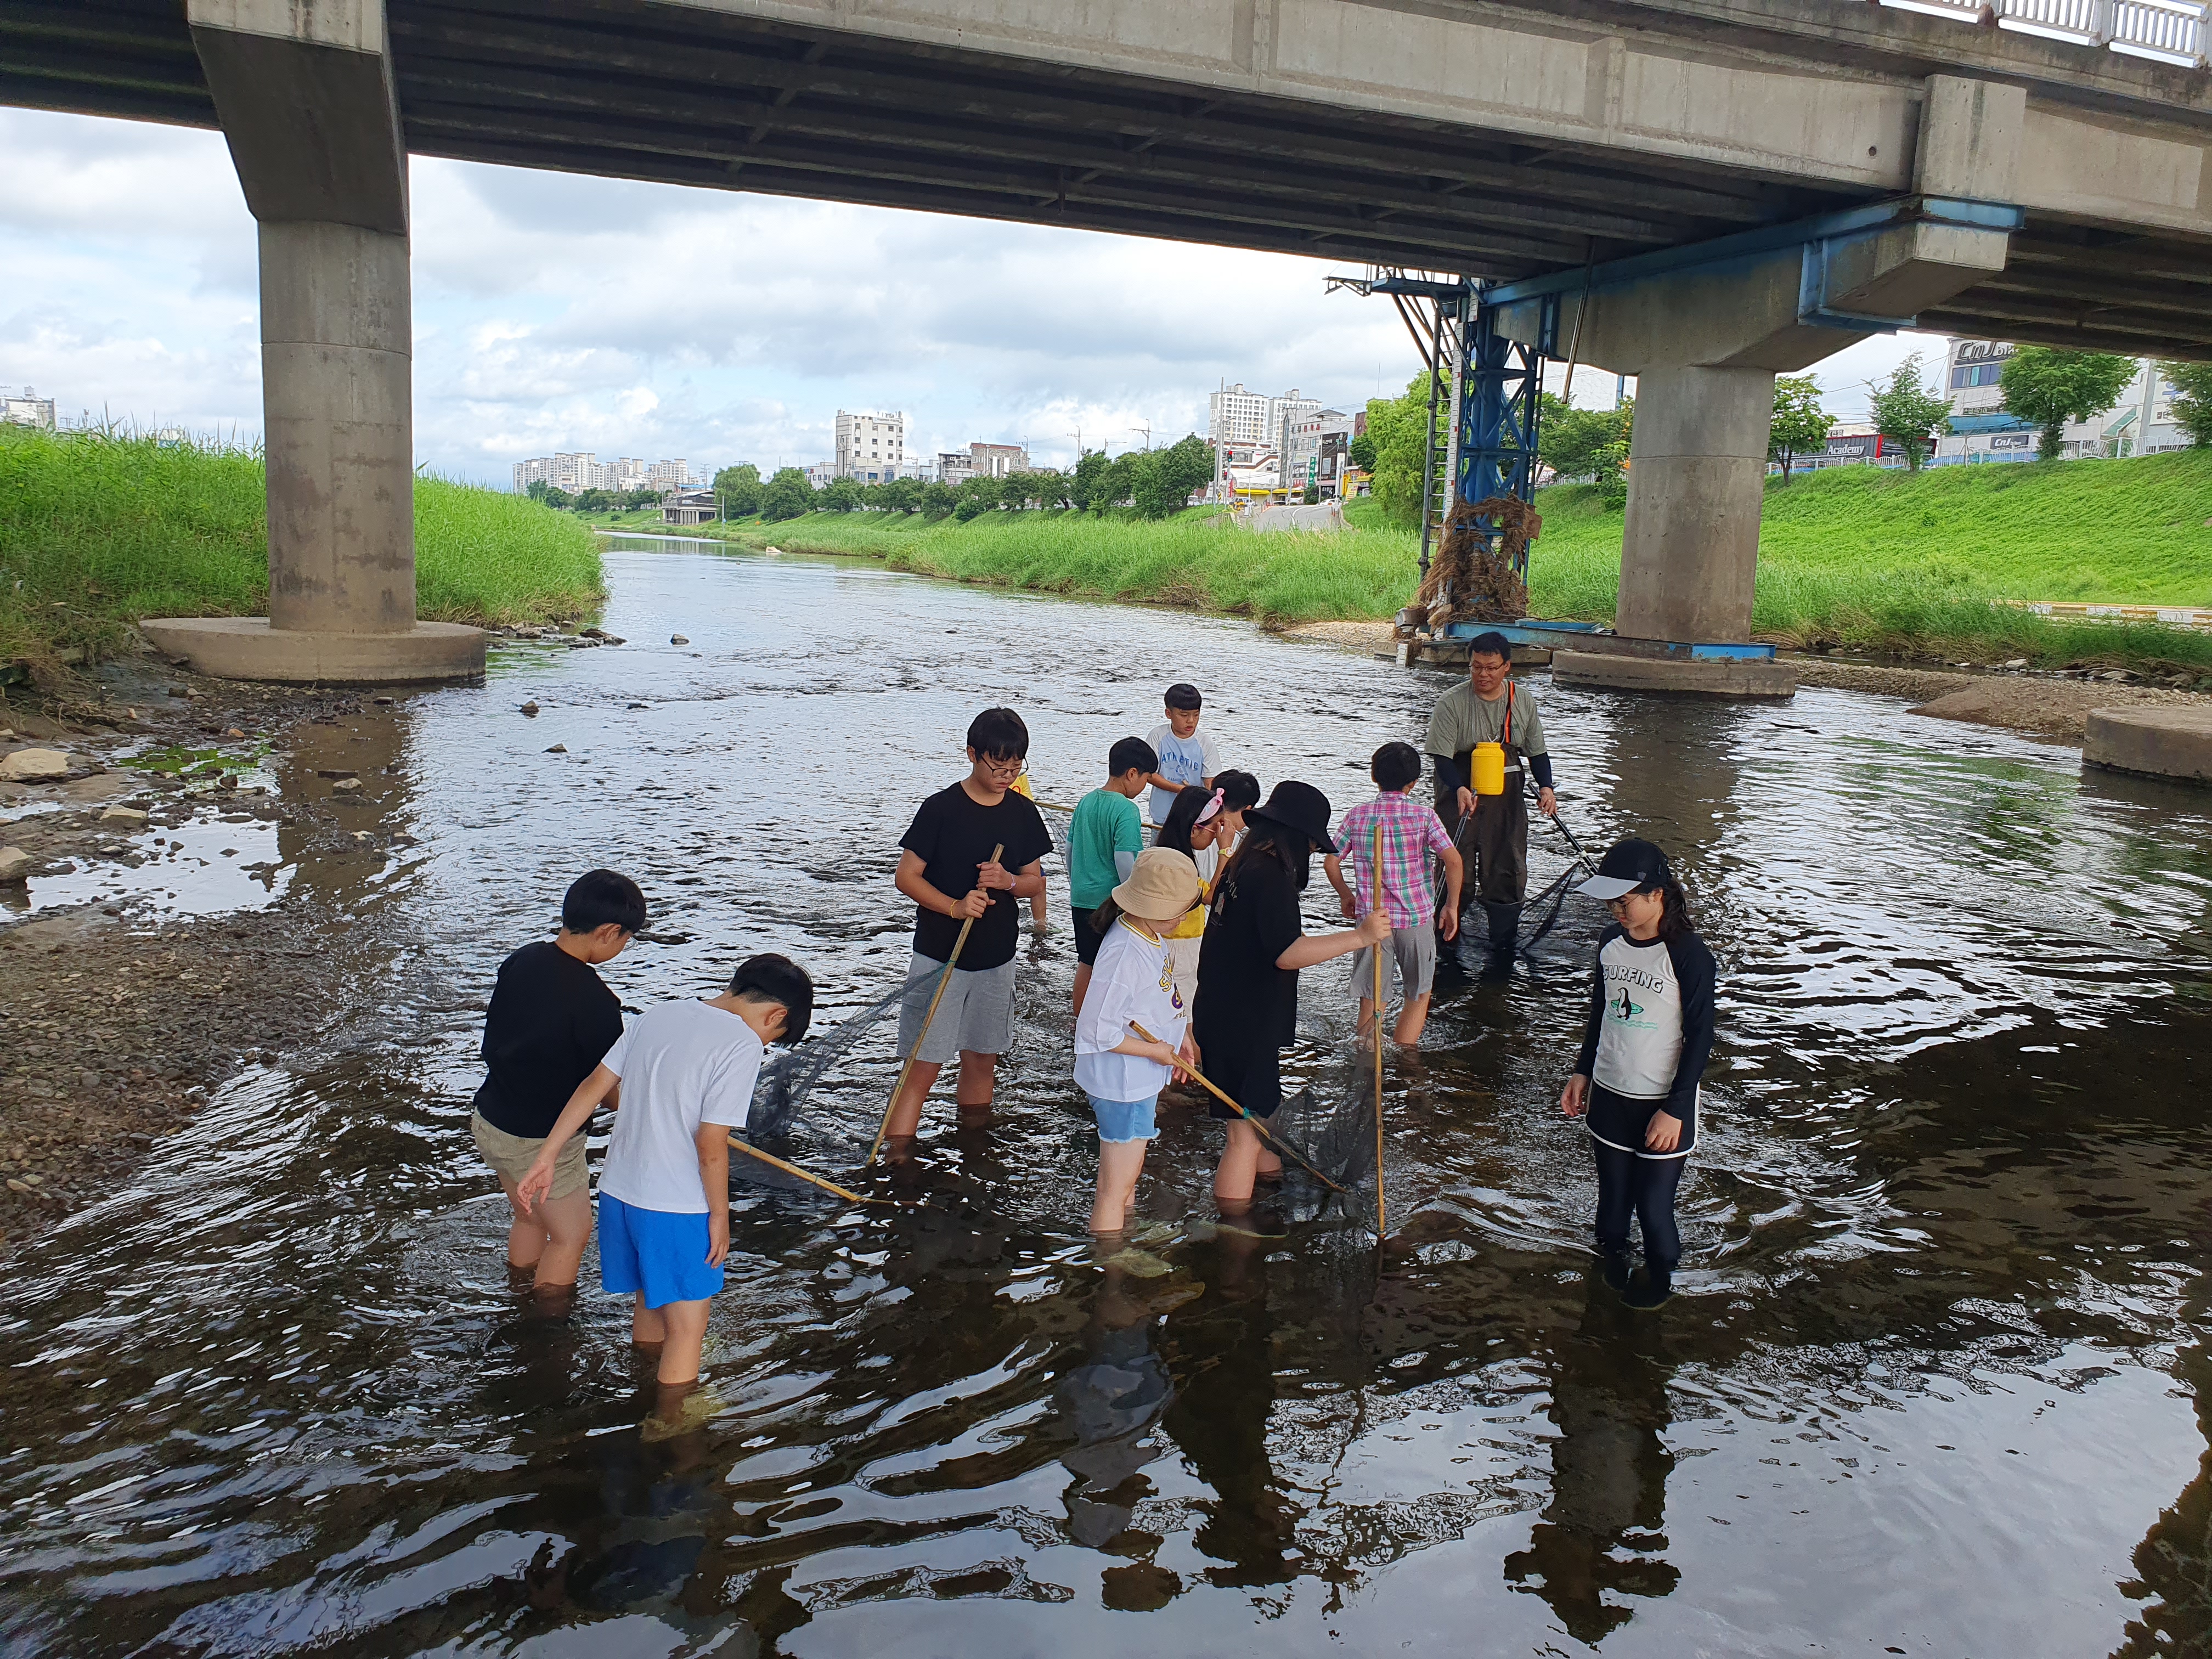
[1702, 192]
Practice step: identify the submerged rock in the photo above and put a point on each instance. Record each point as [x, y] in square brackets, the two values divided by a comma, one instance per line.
[558, 748]
[678, 639]
[530, 709]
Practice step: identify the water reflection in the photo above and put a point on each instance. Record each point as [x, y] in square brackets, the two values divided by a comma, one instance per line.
[1601, 1537]
[1938, 1331]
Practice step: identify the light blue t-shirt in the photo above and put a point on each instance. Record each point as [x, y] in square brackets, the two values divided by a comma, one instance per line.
[1182, 760]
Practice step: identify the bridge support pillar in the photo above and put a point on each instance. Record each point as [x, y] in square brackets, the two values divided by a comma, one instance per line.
[1706, 330]
[305, 95]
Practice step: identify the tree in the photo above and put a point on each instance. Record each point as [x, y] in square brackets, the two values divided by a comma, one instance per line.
[1907, 412]
[558, 499]
[595, 501]
[2047, 387]
[1162, 480]
[739, 487]
[1398, 428]
[538, 490]
[2192, 398]
[900, 495]
[1361, 452]
[1584, 443]
[632, 499]
[1089, 479]
[787, 496]
[840, 496]
[1800, 424]
[939, 498]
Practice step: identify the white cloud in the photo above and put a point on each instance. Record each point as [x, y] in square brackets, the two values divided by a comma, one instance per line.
[572, 313]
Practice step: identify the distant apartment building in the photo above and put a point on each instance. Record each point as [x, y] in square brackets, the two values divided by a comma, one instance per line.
[581, 470]
[954, 466]
[821, 474]
[29, 409]
[870, 447]
[997, 460]
[1235, 417]
[1306, 437]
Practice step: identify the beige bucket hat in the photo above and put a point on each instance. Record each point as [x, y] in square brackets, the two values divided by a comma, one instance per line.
[1162, 888]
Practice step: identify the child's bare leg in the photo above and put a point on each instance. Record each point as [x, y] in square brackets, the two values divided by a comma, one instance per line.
[1412, 1019]
[1119, 1164]
[1364, 1033]
[686, 1324]
[978, 1074]
[648, 1329]
[568, 1230]
[1240, 1163]
[526, 1237]
[906, 1105]
[1082, 984]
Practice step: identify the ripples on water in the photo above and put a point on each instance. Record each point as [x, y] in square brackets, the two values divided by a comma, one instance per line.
[1931, 1386]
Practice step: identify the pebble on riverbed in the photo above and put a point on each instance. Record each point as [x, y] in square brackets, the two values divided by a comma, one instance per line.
[34, 766]
[530, 709]
[678, 639]
[558, 748]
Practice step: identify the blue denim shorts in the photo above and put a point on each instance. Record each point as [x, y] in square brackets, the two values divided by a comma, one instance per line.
[1125, 1120]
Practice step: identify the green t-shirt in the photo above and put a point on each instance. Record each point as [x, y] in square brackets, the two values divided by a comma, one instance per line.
[1106, 823]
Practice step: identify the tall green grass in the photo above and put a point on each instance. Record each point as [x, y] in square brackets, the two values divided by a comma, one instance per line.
[99, 528]
[1868, 560]
[1195, 558]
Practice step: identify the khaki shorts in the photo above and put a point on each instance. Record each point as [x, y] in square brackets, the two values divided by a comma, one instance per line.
[1411, 951]
[513, 1155]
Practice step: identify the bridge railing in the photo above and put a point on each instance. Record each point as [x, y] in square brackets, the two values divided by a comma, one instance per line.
[2169, 30]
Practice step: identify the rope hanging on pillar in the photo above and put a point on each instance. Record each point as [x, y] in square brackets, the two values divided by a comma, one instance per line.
[1476, 574]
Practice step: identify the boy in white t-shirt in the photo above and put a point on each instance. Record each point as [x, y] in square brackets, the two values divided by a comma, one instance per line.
[1186, 761]
[687, 1071]
[1132, 984]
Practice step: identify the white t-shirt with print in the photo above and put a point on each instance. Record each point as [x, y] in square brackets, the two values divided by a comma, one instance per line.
[682, 1064]
[1182, 760]
[1131, 980]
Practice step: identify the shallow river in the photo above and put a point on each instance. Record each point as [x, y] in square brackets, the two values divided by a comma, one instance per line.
[1934, 1384]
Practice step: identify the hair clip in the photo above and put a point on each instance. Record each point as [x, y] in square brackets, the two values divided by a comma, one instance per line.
[1210, 808]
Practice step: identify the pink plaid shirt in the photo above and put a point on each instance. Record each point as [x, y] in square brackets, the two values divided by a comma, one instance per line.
[1411, 832]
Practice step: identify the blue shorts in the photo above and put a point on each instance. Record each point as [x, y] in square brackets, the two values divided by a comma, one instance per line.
[1125, 1120]
[662, 1254]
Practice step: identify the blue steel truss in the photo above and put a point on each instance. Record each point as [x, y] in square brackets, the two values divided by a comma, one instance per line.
[1499, 411]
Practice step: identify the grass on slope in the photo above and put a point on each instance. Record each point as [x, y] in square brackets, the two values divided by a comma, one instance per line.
[1191, 559]
[98, 529]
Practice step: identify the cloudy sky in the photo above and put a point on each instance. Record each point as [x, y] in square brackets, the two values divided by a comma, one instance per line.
[561, 313]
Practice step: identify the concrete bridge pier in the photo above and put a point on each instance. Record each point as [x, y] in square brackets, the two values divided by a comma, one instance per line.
[1707, 329]
[305, 95]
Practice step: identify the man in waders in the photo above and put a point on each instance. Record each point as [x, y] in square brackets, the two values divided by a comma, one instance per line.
[1491, 708]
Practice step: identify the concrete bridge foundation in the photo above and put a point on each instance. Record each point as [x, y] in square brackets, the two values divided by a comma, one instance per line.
[305, 98]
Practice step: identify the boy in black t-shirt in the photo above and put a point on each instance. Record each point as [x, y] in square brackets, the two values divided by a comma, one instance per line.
[551, 1024]
[947, 869]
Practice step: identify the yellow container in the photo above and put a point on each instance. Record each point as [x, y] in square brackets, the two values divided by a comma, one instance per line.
[1489, 768]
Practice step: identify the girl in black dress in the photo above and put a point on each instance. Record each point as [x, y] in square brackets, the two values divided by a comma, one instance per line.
[1255, 942]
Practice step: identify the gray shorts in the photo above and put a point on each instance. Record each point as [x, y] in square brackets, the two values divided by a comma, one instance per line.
[1412, 952]
[977, 1017]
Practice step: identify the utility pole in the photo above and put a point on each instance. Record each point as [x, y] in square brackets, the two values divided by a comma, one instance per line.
[1147, 431]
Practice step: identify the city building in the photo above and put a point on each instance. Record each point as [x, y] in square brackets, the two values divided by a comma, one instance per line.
[29, 410]
[870, 447]
[821, 474]
[996, 460]
[1284, 414]
[575, 472]
[1235, 416]
[1305, 437]
[954, 466]
[2141, 423]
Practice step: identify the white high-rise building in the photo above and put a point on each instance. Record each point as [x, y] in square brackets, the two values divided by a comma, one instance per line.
[29, 410]
[575, 472]
[1284, 414]
[870, 447]
[1235, 416]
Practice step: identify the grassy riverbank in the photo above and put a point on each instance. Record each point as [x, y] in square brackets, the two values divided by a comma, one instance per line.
[100, 529]
[1913, 565]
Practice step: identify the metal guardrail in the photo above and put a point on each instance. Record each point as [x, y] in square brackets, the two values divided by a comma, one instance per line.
[2166, 31]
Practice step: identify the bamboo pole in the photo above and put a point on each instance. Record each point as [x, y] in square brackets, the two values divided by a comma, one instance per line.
[1256, 1124]
[1377, 857]
[943, 980]
[775, 1163]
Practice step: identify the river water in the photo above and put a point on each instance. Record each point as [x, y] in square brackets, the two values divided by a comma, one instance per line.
[1934, 1381]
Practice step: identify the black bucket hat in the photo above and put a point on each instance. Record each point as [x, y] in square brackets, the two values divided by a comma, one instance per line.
[1628, 867]
[1298, 807]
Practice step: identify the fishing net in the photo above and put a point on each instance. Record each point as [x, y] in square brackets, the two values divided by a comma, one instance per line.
[789, 1078]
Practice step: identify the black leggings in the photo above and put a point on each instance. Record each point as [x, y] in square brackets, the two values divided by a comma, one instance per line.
[1645, 1186]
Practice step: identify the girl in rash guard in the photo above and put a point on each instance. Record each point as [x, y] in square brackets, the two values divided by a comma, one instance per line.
[1636, 1083]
